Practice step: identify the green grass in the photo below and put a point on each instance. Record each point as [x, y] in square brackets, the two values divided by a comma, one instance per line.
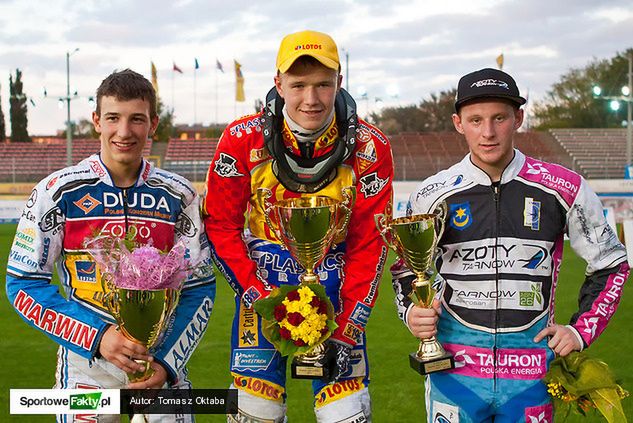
[28, 356]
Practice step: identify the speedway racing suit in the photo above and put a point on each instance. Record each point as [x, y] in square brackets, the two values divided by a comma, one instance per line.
[78, 203]
[500, 256]
[254, 262]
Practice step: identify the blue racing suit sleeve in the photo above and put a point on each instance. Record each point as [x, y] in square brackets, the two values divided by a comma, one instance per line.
[36, 246]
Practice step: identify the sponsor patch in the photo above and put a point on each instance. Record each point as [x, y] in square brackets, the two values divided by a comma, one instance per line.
[139, 230]
[445, 413]
[259, 154]
[503, 363]
[250, 296]
[334, 392]
[436, 186]
[23, 242]
[352, 332]
[32, 199]
[366, 156]
[532, 214]
[506, 294]
[373, 287]
[23, 259]
[459, 216]
[44, 259]
[51, 220]
[489, 82]
[185, 227]
[251, 359]
[57, 324]
[226, 166]
[540, 414]
[97, 168]
[363, 134]
[508, 255]
[86, 271]
[259, 387]
[24, 239]
[360, 314]
[248, 327]
[372, 184]
[51, 182]
[565, 182]
[357, 364]
[190, 336]
[604, 233]
[87, 203]
[246, 127]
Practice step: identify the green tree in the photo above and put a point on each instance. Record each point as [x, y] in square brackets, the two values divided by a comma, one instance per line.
[570, 102]
[82, 129]
[18, 109]
[165, 128]
[3, 129]
[433, 114]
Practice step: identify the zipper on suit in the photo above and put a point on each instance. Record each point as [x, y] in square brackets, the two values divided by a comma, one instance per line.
[496, 193]
[125, 210]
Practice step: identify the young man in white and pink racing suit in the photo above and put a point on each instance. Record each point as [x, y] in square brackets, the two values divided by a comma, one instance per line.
[307, 141]
[117, 193]
[498, 263]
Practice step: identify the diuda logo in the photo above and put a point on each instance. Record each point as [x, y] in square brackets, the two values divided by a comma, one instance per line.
[460, 216]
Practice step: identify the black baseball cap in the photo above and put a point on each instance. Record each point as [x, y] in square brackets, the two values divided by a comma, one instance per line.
[487, 82]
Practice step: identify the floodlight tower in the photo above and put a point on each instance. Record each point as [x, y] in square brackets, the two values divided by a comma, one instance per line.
[627, 96]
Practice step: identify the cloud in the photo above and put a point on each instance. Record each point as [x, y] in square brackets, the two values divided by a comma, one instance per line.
[413, 47]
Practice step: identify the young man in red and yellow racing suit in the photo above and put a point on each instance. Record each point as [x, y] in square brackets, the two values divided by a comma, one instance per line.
[307, 141]
[500, 255]
[115, 193]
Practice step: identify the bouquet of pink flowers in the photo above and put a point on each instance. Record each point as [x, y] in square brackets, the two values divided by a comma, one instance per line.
[128, 265]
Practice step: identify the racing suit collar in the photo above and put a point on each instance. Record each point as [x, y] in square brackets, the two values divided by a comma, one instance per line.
[99, 169]
[509, 173]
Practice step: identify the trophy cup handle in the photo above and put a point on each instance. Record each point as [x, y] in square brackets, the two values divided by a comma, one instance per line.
[441, 213]
[263, 194]
[383, 229]
[440, 217]
[349, 198]
[111, 304]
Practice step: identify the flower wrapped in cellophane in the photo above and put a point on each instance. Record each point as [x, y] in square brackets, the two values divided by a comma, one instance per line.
[296, 319]
[582, 383]
[127, 264]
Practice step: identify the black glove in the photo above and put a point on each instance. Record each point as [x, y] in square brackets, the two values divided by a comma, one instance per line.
[337, 356]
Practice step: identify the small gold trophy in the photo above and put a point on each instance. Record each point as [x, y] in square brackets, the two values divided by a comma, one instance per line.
[142, 316]
[307, 227]
[415, 240]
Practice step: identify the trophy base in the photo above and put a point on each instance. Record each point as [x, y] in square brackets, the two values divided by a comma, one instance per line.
[302, 370]
[425, 367]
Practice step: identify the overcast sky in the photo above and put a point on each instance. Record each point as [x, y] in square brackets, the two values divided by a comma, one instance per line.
[399, 51]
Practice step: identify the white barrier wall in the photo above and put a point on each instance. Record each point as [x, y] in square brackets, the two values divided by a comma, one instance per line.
[11, 210]
[627, 225]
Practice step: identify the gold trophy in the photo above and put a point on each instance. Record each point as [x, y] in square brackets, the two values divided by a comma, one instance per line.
[307, 227]
[142, 316]
[415, 240]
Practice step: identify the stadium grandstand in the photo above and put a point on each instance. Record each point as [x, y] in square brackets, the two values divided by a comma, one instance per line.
[594, 153]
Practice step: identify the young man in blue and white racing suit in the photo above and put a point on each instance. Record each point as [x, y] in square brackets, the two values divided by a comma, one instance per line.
[500, 256]
[114, 192]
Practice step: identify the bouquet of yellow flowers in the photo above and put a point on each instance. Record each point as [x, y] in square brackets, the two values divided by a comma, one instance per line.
[579, 382]
[296, 319]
